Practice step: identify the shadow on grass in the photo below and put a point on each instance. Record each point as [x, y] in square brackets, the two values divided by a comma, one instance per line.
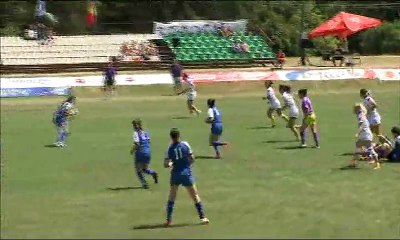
[168, 95]
[181, 117]
[205, 157]
[290, 147]
[124, 188]
[279, 141]
[50, 146]
[259, 127]
[347, 168]
[157, 226]
[347, 154]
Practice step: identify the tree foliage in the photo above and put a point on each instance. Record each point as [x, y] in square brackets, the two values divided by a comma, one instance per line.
[281, 21]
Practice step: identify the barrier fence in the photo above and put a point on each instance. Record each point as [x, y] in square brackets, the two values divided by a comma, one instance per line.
[49, 86]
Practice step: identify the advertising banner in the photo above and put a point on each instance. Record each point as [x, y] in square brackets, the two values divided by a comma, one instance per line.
[31, 92]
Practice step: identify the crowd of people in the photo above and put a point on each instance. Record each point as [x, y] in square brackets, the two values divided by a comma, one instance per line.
[138, 51]
[240, 47]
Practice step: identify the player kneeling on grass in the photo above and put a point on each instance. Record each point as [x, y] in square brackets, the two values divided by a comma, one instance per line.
[274, 102]
[309, 120]
[214, 118]
[61, 117]
[288, 99]
[180, 158]
[191, 94]
[364, 138]
[142, 152]
[386, 150]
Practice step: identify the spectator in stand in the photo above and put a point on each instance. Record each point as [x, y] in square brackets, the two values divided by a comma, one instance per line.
[281, 58]
[225, 31]
[338, 55]
[244, 47]
[30, 33]
[176, 72]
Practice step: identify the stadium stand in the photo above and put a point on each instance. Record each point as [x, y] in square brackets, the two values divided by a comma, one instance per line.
[66, 49]
[212, 46]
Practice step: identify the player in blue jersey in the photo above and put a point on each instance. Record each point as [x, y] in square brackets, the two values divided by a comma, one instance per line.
[61, 116]
[179, 157]
[214, 118]
[142, 152]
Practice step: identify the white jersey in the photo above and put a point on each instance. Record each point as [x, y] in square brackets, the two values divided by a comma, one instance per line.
[191, 94]
[291, 104]
[272, 99]
[372, 113]
[365, 133]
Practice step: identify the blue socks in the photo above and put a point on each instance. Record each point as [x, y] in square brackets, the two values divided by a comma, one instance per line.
[149, 171]
[200, 210]
[170, 209]
[62, 135]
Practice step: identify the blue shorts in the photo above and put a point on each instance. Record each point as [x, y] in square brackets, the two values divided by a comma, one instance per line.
[181, 179]
[141, 157]
[60, 122]
[216, 128]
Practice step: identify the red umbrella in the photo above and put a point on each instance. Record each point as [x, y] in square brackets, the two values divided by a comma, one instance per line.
[343, 25]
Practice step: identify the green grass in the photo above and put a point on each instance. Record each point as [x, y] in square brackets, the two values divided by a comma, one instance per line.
[258, 190]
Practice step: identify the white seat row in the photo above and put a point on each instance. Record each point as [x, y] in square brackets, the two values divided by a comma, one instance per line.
[79, 40]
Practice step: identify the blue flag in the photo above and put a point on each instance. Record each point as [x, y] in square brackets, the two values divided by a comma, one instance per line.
[40, 8]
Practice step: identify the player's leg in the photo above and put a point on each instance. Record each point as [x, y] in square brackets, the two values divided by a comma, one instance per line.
[270, 115]
[371, 153]
[148, 170]
[315, 134]
[282, 115]
[292, 127]
[139, 172]
[193, 107]
[216, 133]
[302, 130]
[192, 190]
[376, 129]
[171, 201]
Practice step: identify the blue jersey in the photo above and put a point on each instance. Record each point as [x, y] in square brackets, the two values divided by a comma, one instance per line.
[215, 115]
[142, 139]
[179, 153]
[61, 114]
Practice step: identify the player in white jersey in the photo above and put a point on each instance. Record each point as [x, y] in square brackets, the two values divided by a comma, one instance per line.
[364, 138]
[289, 102]
[373, 116]
[274, 102]
[191, 94]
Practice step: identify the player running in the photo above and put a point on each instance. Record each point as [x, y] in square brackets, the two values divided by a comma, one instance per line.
[61, 118]
[191, 94]
[274, 102]
[288, 99]
[214, 118]
[372, 113]
[180, 158]
[142, 152]
[309, 119]
[364, 138]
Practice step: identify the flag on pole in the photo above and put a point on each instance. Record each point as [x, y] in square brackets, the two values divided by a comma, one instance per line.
[40, 8]
[92, 13]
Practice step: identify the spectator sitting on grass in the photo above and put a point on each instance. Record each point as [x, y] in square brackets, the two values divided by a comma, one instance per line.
[236, 47]
[244, 47]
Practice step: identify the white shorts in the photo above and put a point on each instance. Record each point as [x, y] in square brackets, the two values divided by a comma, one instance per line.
[365, 136]
[275, 105]
[191, 96]
[293, 112]
[374, 118]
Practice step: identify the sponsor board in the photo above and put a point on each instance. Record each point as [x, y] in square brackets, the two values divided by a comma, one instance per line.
[232, 76]
[31, 92]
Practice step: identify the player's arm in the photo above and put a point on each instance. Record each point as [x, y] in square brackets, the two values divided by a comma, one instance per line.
[210, 116]
[136, 142]
[383, 140]
[167, 160]
[359, 128]
[192, 158]
[373, 103]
